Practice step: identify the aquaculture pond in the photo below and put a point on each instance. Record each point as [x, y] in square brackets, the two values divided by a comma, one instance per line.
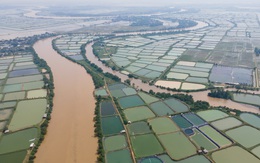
[24, 72]
[119, 156]
[193, 159]
[212, 115]
[162, 125]
[146, 145]
[234, 154]
[18, 140]
[130, 101]
[14, 157]
[245, 135]
[202, 141]
[176, 105]
[28, 113]
[194, 119]
[138, 128]
[247, 98]
[111, 125]
[227, 123]
[113, 143]
[107, 108]
[147, 98]
[161, 109]
[251, 119]
[177, 145]
[226, 74]
[181, 122]
[138, 113]
[214, 135]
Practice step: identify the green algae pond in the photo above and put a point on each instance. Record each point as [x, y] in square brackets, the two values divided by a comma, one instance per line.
[218, 138]
[119, 156]
[130, 101]
[251, 119]
[14, 157]
[28, 113]
[113, 143]
[111, 125]
[226, 123]
[234, 154]
[18, 140]
[176, 105]
[247, 136]
[177, 145]
[194, 159]
[163, 125]
[140, 127]
[138, 113]
[146, 145]
[247, 98]
[161, 109]
[202, 141]
[212, 115]
[147, 98]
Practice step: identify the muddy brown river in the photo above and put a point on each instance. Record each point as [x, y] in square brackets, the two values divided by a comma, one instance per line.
[70, 137]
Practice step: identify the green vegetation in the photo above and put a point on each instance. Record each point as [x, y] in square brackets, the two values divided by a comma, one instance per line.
[220, 93]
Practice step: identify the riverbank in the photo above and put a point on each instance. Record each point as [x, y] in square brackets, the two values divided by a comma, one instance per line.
[70, 133]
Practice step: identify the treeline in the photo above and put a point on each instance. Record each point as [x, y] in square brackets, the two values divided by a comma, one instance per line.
[257, 51]
[186, 23]
[187, 99]
[220, 93]
[49, 85]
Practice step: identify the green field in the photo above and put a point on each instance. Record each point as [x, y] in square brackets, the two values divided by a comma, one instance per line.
[18, 140]
[234, 154]
[212, 115]
[227, 123]
[28, 113]
[176, 105]
[14, 157]
[163, 125]
[138, 113]
[251, 119]
[147, 98]
[215, 136]
[138, 128]
[202, 141]
[123, 156]
[245, 135]
[145, 145]
[177, 145]
[130, 101]
[111, 125]
[161, 109]
[101, 92]
[113, 143]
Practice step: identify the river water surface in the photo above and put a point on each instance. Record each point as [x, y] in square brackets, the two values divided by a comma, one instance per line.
[70, 137]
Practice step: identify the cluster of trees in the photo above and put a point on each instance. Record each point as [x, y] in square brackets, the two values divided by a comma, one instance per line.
[257, 51]
[220, 93]
[186, 23]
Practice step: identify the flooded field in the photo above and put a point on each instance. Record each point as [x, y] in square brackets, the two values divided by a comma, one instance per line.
[71, 131]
